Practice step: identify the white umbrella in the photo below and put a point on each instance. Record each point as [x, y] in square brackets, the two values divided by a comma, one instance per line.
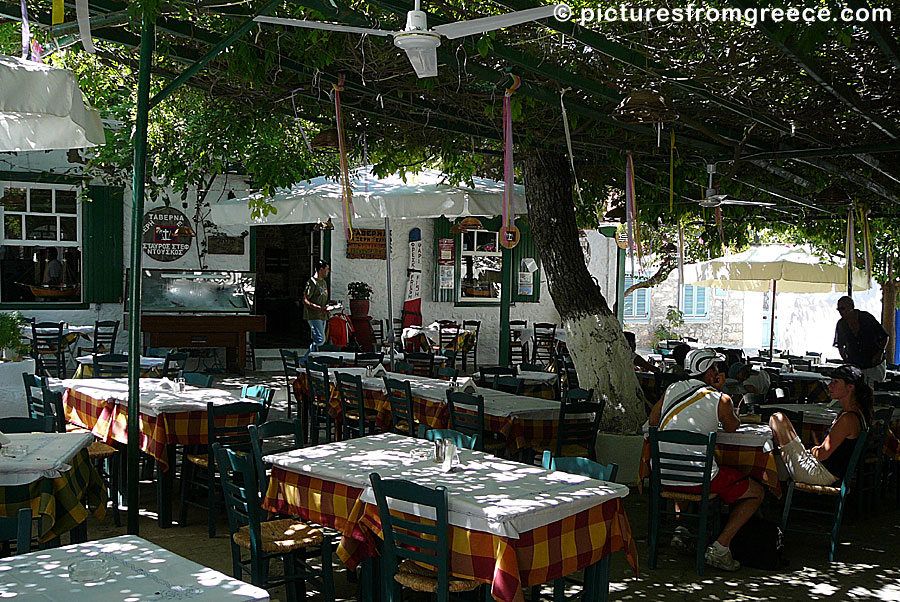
[762, 268]
[42, 108]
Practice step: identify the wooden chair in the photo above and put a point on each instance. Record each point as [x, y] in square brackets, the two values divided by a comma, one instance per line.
[222, 429]
[356, 420]
[18, 424]
[368, 359]
[448, 336]
[576, 435]
[868, 487]
[378, 340]
[262, 395]
[422, 363]
[289, 540]
[37, 407]
[290, 364]
[174, 364]
[326, 360]
[48, 348]
[544, 342]
[581, 466]
[467, 417]
[399, 396]
[518, 348]
[445, 373]
[110, 365]
[402, 368]
[267, 431]
[16, 528]
[472, 325]
[688, 470]
[486, 374]
[508, 384]
[837, 492]
[459, 439]
[328, 347]
[525, 367]
[319, 400]
[198, 379]
[409, 544]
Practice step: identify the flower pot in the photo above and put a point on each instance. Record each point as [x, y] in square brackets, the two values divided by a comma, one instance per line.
[359, 308]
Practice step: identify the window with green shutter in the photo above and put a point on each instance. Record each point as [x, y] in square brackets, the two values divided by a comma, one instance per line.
[103, 245]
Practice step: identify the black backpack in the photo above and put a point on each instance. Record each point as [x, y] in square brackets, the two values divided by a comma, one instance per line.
[759, 544]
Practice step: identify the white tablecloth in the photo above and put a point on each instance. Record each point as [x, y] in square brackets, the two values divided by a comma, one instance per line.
[138, 570]
[12, 388]
[530, 377]
[803, 375]
[48, 455]
[85, 330]
[486, 493]
[431, 332]
[146, 362]
[157, 397]
[350, 357]
[747, 435]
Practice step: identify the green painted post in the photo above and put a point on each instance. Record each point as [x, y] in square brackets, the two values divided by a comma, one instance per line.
[506, 284]
[134, 300]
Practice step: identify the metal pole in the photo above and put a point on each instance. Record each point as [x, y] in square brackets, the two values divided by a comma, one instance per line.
[390, 301]
[134, 300]
[772, 323]
[507, 269]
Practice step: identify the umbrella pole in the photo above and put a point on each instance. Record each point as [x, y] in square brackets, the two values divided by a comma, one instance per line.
[772, 322]
[390, 310]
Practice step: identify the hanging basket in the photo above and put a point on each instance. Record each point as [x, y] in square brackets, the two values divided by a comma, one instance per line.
[644, 106]
[833, 195]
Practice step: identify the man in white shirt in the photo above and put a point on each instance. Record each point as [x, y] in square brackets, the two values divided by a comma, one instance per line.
[752, 381]
[698, 405]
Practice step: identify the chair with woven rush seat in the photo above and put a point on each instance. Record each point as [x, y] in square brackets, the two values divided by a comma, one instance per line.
[409, 544]
[422, 363]
[290, 540]
[280, 429]
[290, 363]
[837, 491]
[467, 417]
[261, 394]
[48, 348]
[508, 384]
[867, 486]
[16, 528]
[356, 421]
[459, 439]
[110, 365]
[319, 385]
[544, 342]
[399, 396]
[518, 348]
[576, 435]
[688, 470]
[223, 423]
[596, 576]
[475, 327]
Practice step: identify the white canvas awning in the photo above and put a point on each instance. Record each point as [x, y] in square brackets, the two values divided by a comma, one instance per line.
[422, 195]
[42, 108]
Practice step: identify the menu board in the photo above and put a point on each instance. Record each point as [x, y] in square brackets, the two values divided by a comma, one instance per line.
[367, 243]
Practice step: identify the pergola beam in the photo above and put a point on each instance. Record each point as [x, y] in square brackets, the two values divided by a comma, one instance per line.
[882, 37]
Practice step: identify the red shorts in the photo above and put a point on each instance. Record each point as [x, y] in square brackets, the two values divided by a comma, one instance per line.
[729, 484]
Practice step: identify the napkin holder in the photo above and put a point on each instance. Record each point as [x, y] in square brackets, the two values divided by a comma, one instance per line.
[467, 385]
[4, 440]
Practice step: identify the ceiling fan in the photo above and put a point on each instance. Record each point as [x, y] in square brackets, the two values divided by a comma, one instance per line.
[417, 40]
[714, 200]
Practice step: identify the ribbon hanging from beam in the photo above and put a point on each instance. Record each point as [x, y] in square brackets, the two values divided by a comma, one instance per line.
[26, 30]
[346, 191]
[565, 119]
[84, 25]
[671, 171]
[631, 212]
[58, 13]
[509, 234]
[867, 240]
[850, 248]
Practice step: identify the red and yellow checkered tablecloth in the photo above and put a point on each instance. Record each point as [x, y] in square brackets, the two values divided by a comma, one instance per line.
[63, 503]
[752, 461]
[108, 422]
[520, 433]
[538, 556]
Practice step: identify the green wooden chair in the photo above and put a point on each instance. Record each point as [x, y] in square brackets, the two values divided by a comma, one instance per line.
[576, 436]
[596, 577]
[422, 363]
[407, 543]
[467, 417]
[16, 528]
[319, 384]
[45, 424]
[53, 406]
[290, 540]
[37, 408]
[508, 384]
[356, 421]
[485, 375]
[280, 429]
[687, 470]
[445, 373]
[370, 358]
[198, 379]
[290, 363]
[402, 368]
[399, 396]
[174, 364]
[460, 440]
[110, 365]
[837, 492]
[867, 487]
[260, 394]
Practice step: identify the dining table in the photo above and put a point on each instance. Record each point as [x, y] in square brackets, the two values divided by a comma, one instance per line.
[511, 525]
[348, 357]
[52, 474]
[126, 567]
[150, 366]
[428, 336]
[749, 449]
[168, 418]
[526, 423]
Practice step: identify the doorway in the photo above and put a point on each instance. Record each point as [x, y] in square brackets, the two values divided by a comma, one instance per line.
[284, 260]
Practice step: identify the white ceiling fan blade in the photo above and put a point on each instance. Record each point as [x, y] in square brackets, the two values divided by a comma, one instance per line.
[467, 28]
[710, 203]
[322, 25]
[424, 61]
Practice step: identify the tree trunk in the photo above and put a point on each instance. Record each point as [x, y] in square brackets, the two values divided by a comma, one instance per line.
[888, 312]
[601, 354]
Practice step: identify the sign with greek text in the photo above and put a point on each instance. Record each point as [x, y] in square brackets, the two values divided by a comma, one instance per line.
[167, 234]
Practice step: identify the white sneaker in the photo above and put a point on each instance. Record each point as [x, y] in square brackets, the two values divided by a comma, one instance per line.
[721, 558]
[682, 541]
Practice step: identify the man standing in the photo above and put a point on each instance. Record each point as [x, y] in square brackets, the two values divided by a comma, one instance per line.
[315, 299]
[698, 405]
[861, 340]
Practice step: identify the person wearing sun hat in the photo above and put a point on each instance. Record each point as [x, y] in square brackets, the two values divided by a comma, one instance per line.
[698, 405]
[826, 463]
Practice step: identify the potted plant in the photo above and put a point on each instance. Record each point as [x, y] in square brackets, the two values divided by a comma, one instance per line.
[359, 299]
[11, 335]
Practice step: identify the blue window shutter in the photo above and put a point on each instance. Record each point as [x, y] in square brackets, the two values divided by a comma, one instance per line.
[641, 303]
[700, 300]
[688, 300]
[628, 310]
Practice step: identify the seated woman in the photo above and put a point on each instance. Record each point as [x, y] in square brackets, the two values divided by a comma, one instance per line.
[826, 463]
[639, 362]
